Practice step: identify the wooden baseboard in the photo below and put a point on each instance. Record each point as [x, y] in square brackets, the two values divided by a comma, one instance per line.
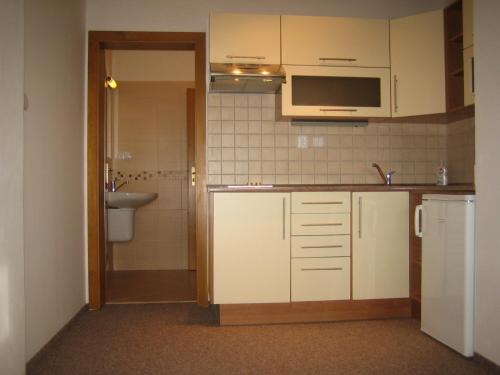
[324, 311]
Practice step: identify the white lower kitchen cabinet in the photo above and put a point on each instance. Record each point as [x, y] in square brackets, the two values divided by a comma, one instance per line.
[251, 248]
[321, 279]
[380, 245]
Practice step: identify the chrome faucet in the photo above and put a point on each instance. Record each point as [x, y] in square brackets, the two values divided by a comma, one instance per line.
[387, 178]
[113, 187]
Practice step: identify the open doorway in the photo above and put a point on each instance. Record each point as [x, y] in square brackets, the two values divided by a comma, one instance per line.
[192, 198]
[149, 128]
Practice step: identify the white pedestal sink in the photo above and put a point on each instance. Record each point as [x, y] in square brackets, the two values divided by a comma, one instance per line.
[121, 212]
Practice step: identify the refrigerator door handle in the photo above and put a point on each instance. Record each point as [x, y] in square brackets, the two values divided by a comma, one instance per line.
[417, 221]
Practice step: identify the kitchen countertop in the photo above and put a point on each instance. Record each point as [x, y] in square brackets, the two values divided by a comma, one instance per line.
[464, 188]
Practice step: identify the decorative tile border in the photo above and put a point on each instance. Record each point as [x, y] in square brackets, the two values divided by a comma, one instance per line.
[151, 175]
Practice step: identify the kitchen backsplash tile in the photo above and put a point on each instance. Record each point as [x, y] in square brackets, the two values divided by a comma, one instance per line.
[279, 152]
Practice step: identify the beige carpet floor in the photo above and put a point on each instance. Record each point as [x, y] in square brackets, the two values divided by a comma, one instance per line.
[184, 339]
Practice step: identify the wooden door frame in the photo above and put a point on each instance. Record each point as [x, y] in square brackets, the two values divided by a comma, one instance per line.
[98, 42]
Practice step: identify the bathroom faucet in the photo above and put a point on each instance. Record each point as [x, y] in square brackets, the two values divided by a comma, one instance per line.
[113, 186]
[387, 178]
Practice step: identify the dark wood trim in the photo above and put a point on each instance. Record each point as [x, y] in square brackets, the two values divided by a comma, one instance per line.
[98, 42]
[323, 311]
[191, 162]
[41, 352]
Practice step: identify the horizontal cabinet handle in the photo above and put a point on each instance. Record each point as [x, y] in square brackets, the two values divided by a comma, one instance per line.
[322, 202]
[321, 247]
[322, 269]
[338, 110]
[336, 59]
[245, 57]
[322, 225]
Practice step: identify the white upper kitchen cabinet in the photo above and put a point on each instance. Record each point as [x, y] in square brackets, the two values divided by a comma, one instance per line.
[245, 38]
[418, 65]
[251, 248]
[380, 245]
[335, 41]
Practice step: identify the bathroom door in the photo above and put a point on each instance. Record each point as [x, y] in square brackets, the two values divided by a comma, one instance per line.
[191, 173]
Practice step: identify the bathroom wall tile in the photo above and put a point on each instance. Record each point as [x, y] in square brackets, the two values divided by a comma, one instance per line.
[333, 179]
[268, 167]
[281, 127]
[254, 140]
[308, 179]
[320, 167]
[307, 154]
[294, 154]
[170, 194]
[321, 154]
[294, 167]
[333, 167]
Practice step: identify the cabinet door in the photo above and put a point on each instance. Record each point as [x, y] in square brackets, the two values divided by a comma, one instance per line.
[380, 259]
[335, 41]
[417, 64]
[344, 92]
[251, 247]
[245, 38]
[469, 76]
[467, 22]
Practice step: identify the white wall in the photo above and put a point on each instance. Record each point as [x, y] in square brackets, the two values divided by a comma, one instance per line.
[12, 343]
[156, 66]
[182, 15]
[53, 167]
[487, 55]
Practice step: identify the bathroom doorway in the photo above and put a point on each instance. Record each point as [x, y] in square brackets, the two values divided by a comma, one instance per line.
[147, 135]
[149, 125]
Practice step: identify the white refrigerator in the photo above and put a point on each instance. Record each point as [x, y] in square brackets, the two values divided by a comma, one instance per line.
[447, 231]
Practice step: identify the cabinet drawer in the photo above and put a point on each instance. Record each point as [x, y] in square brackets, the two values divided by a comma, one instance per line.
[320, 224]
[321, 279]
[321, 246]
[321, 202]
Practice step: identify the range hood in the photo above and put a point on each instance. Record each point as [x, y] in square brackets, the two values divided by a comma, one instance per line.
[245, 78]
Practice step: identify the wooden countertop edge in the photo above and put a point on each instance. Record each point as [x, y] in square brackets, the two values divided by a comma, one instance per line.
[454, 188]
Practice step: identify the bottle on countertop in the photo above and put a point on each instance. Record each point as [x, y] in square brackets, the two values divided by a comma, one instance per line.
[442, 174]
